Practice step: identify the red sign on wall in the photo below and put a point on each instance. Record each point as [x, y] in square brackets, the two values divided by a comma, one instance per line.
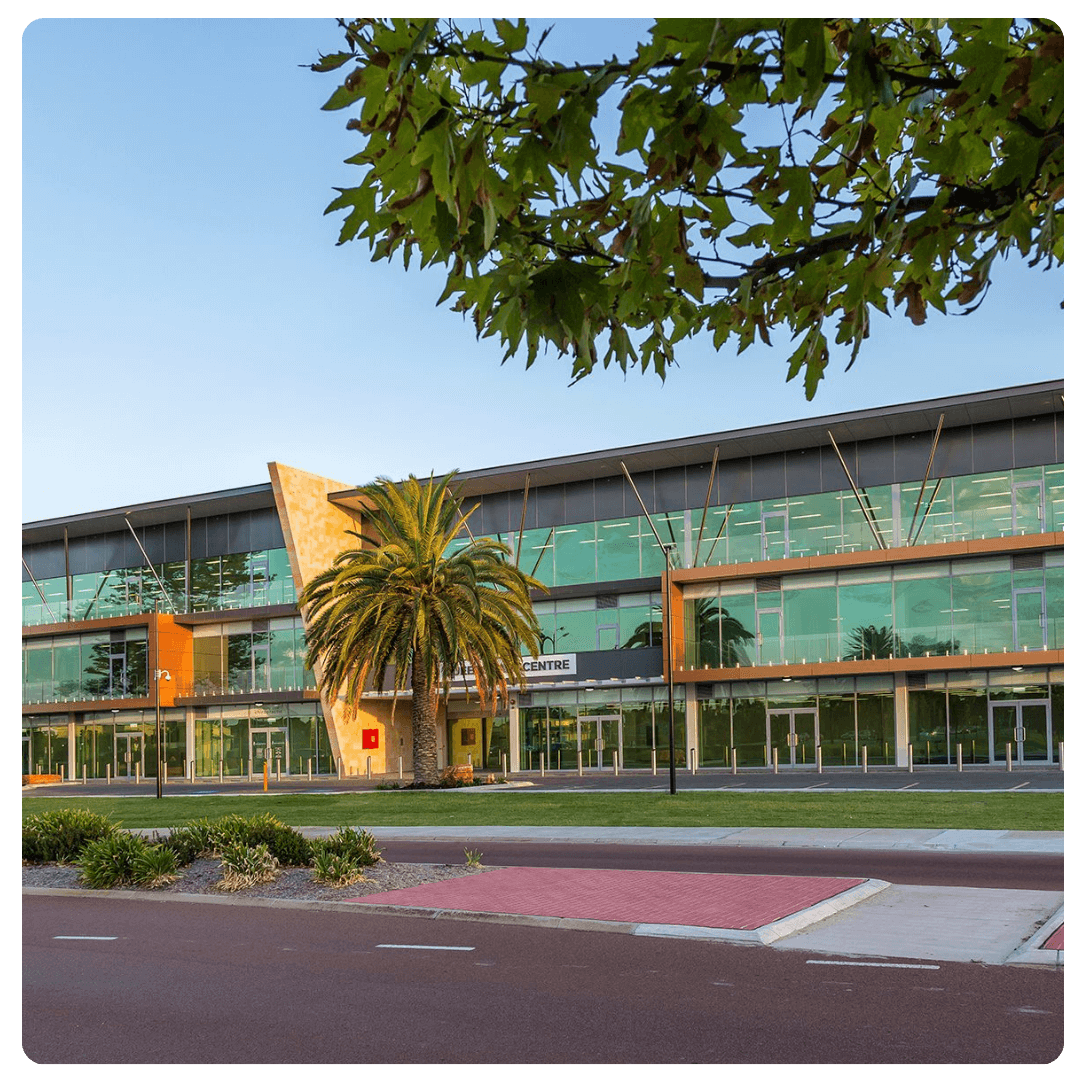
[369, 739]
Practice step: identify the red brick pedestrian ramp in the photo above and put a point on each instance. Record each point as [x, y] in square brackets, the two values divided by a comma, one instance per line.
[750, 908]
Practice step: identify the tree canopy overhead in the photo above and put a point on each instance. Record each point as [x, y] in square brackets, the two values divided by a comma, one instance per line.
[768, 175]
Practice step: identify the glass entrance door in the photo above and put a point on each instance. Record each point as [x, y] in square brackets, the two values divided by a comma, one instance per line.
[1029, 619]
[793, 733]
[770, 635]
[270, 745]
[129, 753]
[1025, 724]
[774, 535]
[598, 738]
[1028, 507]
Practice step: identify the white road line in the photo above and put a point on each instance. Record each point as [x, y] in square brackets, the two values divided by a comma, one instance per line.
[1019, 786]
[868, 963]
[443, 948]
[908, 787]
[80, 937]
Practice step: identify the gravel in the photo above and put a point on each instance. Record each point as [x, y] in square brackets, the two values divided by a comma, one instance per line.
[292, 883]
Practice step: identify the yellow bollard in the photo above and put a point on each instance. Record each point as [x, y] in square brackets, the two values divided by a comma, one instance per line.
[266, 775]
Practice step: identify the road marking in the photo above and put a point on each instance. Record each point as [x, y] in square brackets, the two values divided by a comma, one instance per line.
[442, 948]
[824, 783]
[868, 963]
[908, 787]
[1019, 786]
[80, 937]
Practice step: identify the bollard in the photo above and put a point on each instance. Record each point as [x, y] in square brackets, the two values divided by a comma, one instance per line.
[766, 745]
[309, 769]
[339, 772]
[400, 768]
[266, 775]
[136, 772]
[615, 761]
[250, 774]
[864, 758]
[1008, 757]
[279, 770]
[580, 771]
[543, 764]
[108, 774]
[84, 772]
[653, 752]
[693, 760]
[817, 754]
[959, 757]
[221, 770]
[911, 758]
[61, 774]
[191, 770]
[734, 762]
[775, 760]
[505, 771]
[368, 767]
[1061, 755]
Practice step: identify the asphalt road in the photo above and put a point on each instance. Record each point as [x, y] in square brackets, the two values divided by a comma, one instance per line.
[177, 983]
[115, 981]
[934, 778]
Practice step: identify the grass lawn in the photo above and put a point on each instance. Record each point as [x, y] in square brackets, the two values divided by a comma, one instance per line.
[818, 810]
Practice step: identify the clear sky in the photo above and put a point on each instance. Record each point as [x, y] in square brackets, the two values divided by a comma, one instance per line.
[187, 316]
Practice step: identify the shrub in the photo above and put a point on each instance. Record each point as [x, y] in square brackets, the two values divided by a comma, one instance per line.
[61, 835]
[331, 868]
[154, 866]
[189, 842]
[357, 844]
[285, 843]
[472, 858]
[110, 862]
[243, 866]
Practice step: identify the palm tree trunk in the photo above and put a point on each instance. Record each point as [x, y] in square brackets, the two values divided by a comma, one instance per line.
[425, 707]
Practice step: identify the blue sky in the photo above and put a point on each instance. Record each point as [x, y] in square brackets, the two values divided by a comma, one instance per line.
[187, 316]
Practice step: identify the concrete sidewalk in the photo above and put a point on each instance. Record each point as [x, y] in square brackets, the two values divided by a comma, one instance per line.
[954, 840]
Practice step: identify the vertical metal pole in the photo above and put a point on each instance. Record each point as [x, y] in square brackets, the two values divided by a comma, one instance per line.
[959, 757]
[543, 762]
[1008, 757]
[368, 767]
[84, 772]
[108, 773]
[910, 758]
[580, 770]
[668, 635]
[653, 754]
[615, 761]
[734, 762]
[817, 754]
[775, 760]
[864, 758]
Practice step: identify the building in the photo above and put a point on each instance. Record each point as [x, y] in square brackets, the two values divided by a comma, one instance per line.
[886, 583]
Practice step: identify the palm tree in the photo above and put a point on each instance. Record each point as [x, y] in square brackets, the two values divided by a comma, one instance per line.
[400, 601]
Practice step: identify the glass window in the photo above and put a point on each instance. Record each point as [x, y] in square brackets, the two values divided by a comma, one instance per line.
[836, 729]
[865, 621]
[876, 729]
[928, 728]
[618, 551]
[982, 611]
[923, 617]
[744, 533]
[810, 624]
[575, 554]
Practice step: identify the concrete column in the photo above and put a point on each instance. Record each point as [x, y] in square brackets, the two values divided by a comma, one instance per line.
[514, 723]
[691, 722]
[900, 715]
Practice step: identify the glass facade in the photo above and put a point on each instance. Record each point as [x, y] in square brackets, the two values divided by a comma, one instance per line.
[1009, 502]
[85, 667]
[249, 656]
[225, 740]
[230, 561]
[932, 608]
[595, 723]
[596, 623]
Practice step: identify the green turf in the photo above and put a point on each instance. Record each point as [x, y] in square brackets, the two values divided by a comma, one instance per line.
[816, 810]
